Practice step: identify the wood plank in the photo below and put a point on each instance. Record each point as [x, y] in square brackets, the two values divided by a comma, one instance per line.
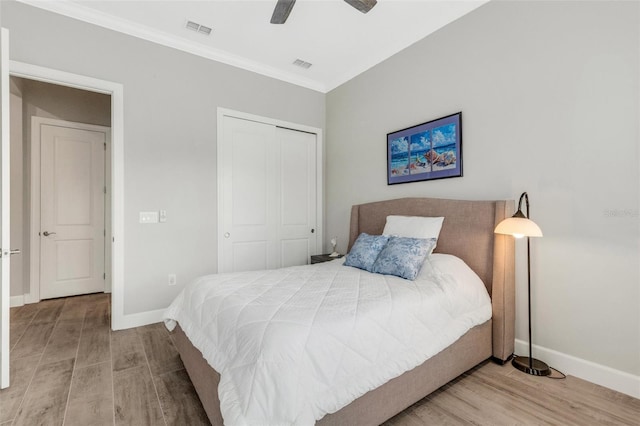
[49, 311]
[21, 373]
[73, 311]
[433, 414]
[16, 331]
[95, 298]
[406, 418]
[91, 397]
[157, 326]
[160, 351]
[24, 312]
[501, 408]
[136, 402]
[94, 346]
[98, 315]
[42, 407]
[127, 350]
[573, 387]
[46, 399]
[94, 411]
[91, 380]
[501, 395]
[565, 408]
[470, 411]
[179, 400]
[53, 374]
[64, 341]
[34, 340]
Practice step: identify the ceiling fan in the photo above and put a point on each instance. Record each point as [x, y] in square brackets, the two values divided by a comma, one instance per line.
[283, 8]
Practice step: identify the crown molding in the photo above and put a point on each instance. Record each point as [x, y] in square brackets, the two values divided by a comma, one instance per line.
[91, 16]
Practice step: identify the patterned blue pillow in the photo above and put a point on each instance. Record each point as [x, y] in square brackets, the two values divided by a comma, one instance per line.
[403, 257]
[365, 251]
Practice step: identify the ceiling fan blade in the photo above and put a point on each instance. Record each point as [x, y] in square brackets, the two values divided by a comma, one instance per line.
[282, 11]
[362, 5]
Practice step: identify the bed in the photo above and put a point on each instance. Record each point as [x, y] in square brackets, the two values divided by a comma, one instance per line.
[467, 232]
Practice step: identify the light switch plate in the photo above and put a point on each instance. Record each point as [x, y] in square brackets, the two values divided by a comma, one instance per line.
[148, 217]
[163, 216]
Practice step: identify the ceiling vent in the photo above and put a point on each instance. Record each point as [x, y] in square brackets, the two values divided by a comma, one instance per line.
[302, 64]
[194, 26]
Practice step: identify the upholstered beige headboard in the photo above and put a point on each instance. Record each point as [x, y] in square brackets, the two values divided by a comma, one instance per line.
[467, 232]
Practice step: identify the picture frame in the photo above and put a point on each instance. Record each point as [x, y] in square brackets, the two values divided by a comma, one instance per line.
[427, 151]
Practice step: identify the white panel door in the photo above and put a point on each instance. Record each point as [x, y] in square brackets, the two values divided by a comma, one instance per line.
[72, 229]
[297, 233]
[267, 196]
[249, 166]
[4, 208]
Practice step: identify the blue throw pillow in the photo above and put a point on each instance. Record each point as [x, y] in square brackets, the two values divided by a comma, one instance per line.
[403, 257]
[365, 251]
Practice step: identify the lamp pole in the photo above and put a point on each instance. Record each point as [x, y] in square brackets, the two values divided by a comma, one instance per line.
[531, 365]
[529, 296]
[526, 198]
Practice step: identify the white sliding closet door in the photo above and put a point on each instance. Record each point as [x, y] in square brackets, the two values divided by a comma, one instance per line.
[268, 196]
[297, 233]
[248, 188]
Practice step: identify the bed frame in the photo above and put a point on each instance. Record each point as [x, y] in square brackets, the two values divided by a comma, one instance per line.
[467, 232]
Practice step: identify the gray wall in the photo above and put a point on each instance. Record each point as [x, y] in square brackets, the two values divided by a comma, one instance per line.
[170, 103]
[30, 99]
[549, 95]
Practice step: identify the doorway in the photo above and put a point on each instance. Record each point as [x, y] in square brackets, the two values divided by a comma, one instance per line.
[116, 91]
[63, 134]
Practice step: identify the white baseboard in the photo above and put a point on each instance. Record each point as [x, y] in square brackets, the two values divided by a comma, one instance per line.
[139, 319]
[30, 298]
[15, 301]
[596, 373]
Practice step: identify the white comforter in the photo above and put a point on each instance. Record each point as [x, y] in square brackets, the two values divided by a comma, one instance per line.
[294, 344]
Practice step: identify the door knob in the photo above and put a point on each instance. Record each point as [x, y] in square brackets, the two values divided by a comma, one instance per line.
[47, 233]
[227, 235]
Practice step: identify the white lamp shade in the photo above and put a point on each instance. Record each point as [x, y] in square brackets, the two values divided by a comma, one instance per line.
[519, 227]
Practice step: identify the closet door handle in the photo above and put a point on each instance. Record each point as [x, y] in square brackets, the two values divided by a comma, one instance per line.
[9, 252]
[47, 233]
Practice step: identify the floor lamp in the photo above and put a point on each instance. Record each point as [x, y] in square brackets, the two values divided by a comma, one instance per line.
[520, 226]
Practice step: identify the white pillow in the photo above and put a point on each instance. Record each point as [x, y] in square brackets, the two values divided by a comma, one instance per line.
[413, 226]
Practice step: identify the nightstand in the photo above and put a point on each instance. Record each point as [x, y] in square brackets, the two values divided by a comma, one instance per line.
[319, 258]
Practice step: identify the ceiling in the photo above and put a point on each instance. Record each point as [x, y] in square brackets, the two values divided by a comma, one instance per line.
[336, 39]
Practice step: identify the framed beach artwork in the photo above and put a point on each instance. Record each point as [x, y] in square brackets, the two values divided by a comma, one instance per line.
[431, 150]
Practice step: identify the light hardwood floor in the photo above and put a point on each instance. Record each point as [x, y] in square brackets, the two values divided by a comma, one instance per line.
[69, 368]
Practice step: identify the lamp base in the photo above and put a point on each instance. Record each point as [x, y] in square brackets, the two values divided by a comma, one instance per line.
[537, 367]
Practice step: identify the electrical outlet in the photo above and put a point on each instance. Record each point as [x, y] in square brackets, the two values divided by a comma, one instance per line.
[173, 280]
